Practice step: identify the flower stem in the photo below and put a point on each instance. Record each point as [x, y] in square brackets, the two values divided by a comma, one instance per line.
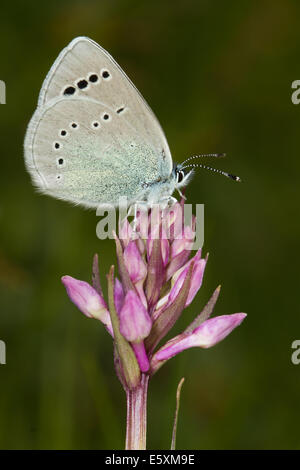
[141, 355]
[137, 415]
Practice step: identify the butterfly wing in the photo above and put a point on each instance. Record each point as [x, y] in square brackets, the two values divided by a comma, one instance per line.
[83, 151]
[85, 69]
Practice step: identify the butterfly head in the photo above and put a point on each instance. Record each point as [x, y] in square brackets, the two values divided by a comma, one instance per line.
[182, 176]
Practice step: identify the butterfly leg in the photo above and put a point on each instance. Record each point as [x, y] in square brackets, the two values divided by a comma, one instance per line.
[165, 203]
[172, 200]
[182, 195]
[168, 201]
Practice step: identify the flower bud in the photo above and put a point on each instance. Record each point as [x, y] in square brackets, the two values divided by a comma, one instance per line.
[135, 322]
[206, 335]
[134, 262]
[87, 299]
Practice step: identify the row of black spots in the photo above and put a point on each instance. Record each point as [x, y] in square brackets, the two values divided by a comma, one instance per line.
[83, 83]
[94, 78]
[59, 161]
[106, 116]
[72, 125]
[57, 145]
[70, 90]
[64, 133]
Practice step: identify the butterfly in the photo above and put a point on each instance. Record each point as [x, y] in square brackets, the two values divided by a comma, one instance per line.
[93, 139]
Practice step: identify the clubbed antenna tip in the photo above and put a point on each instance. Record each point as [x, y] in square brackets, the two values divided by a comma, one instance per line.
[235, 178]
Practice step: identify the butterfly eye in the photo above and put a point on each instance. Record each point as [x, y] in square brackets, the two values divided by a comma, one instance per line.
[179, 175]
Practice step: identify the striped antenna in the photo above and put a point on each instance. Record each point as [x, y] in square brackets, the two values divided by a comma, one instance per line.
[214, 155]
[199, 165]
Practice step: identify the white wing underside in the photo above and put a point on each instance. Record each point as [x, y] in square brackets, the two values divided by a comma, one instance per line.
[102, 142]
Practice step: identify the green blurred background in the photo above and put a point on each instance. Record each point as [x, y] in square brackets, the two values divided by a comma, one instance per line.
[218, 76]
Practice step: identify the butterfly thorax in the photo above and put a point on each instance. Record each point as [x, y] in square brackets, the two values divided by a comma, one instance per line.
[160, 191]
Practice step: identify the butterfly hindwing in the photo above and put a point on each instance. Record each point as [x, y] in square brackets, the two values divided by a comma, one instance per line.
[83, 151]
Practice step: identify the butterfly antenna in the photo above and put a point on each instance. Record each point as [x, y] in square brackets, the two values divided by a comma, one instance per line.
[199, 165]
[214, 155]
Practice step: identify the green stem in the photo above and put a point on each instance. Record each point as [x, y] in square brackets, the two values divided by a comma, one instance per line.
[137, 415]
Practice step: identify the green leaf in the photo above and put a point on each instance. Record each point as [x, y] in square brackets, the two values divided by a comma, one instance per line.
[206, 312]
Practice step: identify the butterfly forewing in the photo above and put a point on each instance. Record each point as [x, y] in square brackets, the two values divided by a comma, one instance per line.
[85, 69]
